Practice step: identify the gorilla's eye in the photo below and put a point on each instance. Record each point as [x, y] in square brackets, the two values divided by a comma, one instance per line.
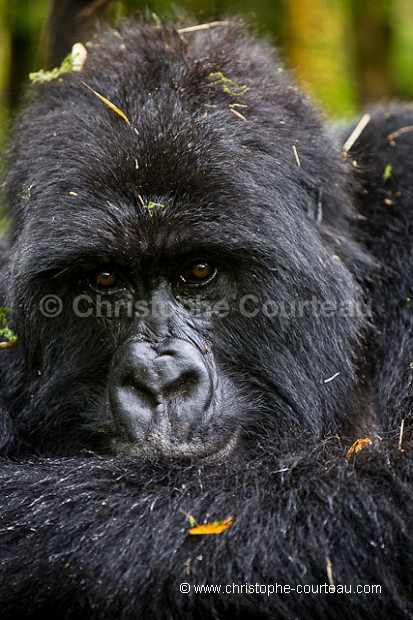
[106, 279]
[197, 272]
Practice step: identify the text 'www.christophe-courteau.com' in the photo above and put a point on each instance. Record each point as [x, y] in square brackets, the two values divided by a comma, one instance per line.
[277, 588]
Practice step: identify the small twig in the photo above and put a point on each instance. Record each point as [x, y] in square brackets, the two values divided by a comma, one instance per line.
[110, 105]
[356, 133]
[332, 378]
[396, 134]
[238, 114]
[202, 27]
[329, 571]
[297, 159]
[401, 435]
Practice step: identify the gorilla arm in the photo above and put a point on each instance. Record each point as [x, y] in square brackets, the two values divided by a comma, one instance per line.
[107, 539]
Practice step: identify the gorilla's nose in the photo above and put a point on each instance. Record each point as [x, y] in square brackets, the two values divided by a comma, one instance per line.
[164, 388]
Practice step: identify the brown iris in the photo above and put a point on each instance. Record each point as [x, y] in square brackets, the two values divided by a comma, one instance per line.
[197, 272]
[106, 279]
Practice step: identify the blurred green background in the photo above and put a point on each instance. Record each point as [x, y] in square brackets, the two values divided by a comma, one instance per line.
[346, 53]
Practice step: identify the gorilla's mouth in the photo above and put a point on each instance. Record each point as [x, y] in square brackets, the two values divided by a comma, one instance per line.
[159, 447]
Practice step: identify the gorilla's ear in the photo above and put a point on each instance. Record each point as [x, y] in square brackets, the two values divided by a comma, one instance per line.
[70, 21]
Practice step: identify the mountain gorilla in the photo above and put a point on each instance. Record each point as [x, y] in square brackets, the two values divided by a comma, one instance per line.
[211, 305]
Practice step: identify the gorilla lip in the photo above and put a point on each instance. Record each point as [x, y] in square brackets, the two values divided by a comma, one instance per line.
[162, 449]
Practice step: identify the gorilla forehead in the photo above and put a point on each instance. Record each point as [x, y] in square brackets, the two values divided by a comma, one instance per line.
[132, 236]
[197, 107]
[186, 155]
[114, 221]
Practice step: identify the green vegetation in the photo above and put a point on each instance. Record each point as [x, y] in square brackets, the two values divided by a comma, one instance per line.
[5, 332]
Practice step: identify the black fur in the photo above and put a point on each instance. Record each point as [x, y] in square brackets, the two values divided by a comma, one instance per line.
[245, 176]
[385, 202]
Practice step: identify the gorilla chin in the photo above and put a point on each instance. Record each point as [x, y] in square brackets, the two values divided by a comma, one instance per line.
[158, 446]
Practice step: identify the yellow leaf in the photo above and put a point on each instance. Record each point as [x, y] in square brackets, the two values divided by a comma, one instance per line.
[216, 527]
[357, 446]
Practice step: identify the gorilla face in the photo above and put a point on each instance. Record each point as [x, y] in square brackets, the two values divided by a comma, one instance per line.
[182, 277]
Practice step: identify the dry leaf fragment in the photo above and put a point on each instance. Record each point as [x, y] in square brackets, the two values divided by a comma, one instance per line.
[357, 446]
[215, 527]
[8, 343]
[108, 103]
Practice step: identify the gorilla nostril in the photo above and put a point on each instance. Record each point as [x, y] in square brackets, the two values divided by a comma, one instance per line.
[147, 395]
[155, 387]
[181, 387]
